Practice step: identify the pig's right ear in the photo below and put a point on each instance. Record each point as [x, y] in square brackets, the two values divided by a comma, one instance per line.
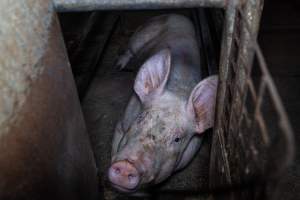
[153, 75]
[201, 104]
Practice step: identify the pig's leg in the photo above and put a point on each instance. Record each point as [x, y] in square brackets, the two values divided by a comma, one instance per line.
[190, 151]
[144, 35]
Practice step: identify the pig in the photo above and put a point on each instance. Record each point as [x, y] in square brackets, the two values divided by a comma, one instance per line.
[161, 129]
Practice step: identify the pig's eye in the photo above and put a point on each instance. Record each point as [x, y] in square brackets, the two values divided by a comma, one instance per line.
[177, 139]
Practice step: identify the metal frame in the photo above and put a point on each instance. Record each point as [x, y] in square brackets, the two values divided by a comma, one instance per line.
[241, 25]
[87, 5]
[233, 142]
[239, 46]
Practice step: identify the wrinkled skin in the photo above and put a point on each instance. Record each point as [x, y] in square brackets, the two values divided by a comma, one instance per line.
[160, 131]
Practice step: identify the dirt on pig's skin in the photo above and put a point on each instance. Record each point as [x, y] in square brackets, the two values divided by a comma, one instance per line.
[104, 104]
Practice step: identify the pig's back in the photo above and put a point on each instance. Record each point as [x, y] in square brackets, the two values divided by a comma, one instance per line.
[179, 36]
[177, 33]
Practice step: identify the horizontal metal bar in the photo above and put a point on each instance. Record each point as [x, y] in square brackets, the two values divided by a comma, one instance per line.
[88, 5]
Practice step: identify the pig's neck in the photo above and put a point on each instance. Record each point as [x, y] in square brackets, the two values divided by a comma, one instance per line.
[183, 78]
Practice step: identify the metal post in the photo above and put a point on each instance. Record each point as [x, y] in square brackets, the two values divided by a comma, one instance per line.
[218, 146]
[250, 25]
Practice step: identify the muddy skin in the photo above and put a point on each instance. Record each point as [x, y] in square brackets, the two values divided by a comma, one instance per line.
[171, 107]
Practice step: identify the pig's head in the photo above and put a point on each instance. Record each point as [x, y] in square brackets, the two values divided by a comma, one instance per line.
[153, 145]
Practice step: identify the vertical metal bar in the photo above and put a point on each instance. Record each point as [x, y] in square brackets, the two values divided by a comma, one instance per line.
[252, 10]
[218, 136]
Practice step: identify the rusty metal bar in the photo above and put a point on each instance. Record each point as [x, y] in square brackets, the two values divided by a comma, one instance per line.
[218, 136]
[284, 121]
[253, 10]
[252, 90]
[88, 5]
[258, 115]
[285, 124]
[242, 145]
[268, 84]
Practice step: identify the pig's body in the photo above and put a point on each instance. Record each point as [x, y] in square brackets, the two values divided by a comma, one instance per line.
[177, 33]
[156, 136]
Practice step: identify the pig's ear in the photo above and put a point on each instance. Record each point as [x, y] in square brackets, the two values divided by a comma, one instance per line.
[201, 103]
[153, 75]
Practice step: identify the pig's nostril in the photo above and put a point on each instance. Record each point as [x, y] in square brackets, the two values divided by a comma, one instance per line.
[123, 174]
[131, 177]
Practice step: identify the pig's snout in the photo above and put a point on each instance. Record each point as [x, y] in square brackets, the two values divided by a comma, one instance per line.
[124, 175]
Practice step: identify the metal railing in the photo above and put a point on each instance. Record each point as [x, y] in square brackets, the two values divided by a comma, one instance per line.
[87, 5]
[252, 135]
[253, 139]
[247, 141]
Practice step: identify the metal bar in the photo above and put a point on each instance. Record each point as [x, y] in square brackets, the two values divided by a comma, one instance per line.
[253, 10]
[252, 90]
[284, 121]
[258, 115]
[88, 5]
[218, 136]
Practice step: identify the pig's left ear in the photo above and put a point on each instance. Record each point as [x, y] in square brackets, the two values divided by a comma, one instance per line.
[201, 103]
[153, 75]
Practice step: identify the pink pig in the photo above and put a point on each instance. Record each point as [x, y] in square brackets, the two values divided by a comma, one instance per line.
[161, 129]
